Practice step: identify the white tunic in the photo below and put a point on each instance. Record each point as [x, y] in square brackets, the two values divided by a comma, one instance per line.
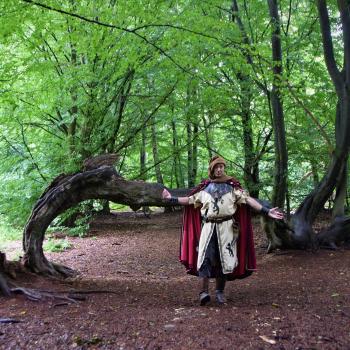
[218, 201]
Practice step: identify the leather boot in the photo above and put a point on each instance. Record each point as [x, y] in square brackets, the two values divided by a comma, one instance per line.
[220, 297]
[204, 298]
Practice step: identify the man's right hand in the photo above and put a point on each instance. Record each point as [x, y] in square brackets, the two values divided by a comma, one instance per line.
[166, 194]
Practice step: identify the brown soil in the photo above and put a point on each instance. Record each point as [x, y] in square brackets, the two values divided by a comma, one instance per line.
[296, 299]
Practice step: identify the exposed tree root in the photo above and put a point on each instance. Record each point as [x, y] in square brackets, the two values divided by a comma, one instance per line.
[70, 296]
[8, 288]
[336, 235]
[36, 295]
[9, 269]
[9, 320]
[40, 265]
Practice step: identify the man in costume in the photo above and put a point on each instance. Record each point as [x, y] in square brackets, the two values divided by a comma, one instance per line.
[217, 237]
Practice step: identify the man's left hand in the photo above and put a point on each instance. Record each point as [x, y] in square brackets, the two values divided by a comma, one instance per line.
[276, 213]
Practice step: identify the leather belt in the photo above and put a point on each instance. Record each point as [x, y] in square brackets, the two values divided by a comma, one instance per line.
[219, 220]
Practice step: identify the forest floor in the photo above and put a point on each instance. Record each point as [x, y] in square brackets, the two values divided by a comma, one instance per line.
[296, 299]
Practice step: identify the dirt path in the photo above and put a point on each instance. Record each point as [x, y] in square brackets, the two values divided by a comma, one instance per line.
[296, 300]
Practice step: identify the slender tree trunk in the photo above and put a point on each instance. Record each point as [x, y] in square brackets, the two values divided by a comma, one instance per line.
[341, 191]
[192, 152]
[122, 99]
[145, 209]
[74, 109]
[251, 163]
[143, 154]
[195, 152]
[179, 178]
[301, 232]
[251, 167]
[190, 179]
[208, 140]
[281, 154]
[342, 181]
[175, 153]
[341, 80]
[159, 175]
[314, 166]
[192, 133]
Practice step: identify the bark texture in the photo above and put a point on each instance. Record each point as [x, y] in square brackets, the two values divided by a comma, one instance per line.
[334, 177]
[281, 154]
[105, 183]
[301, 232]
[251, 159]
[67, 191]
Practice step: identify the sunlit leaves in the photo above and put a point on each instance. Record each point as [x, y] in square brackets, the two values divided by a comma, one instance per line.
[77, 87]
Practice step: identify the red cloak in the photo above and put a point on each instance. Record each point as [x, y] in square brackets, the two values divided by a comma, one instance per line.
[191, 231]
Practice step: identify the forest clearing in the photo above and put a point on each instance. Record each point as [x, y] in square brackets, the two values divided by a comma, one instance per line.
[225, 107]
[295, 300]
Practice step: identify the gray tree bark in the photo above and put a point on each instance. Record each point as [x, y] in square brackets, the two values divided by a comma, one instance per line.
[300, 232]
[67, 191]
[281, 154]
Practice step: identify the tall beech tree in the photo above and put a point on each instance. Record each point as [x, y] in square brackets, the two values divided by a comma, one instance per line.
[301, 233]
[251, 159]
[74, 83]
[281, 154]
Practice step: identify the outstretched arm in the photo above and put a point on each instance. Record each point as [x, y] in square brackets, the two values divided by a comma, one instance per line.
[274, 213]
[180, 200]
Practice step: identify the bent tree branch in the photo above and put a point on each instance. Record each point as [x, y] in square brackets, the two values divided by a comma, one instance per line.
[67, 191]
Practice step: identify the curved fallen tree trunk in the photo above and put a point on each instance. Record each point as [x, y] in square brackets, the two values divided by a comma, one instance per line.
[67, 191]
